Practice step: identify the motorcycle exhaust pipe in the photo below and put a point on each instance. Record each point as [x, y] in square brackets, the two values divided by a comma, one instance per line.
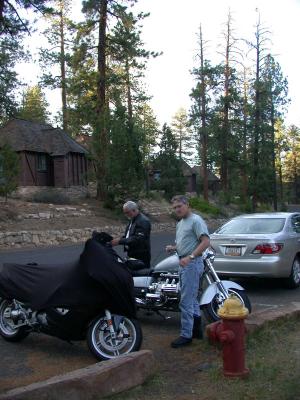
[140, 302]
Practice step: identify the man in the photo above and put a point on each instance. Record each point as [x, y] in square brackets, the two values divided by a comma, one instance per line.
[192, 239]
[136, 239]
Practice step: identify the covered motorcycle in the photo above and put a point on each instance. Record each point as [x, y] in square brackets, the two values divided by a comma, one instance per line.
[91, 298]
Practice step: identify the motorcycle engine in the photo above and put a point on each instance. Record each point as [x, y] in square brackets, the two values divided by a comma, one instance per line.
[166, 286]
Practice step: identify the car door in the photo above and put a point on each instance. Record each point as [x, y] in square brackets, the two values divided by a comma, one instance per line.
[295, 223]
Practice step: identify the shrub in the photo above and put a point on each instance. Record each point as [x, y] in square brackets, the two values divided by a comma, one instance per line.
[201, 205]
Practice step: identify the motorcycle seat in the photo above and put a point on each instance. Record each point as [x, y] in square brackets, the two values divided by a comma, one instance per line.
[141, 272]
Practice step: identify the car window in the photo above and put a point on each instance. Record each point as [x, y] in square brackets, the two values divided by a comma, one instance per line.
[296, 223]
[252, 225]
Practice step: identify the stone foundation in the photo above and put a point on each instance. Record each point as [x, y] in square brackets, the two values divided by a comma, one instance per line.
[48, 192]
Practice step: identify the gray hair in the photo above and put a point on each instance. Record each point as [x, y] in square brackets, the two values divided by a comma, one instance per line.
[180, 199]
[130, 205]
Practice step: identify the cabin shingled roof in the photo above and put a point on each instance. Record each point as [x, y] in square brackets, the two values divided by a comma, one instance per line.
[24, 135]
[210, 175]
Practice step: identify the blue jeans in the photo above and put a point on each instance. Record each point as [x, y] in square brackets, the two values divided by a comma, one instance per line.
[189, 278]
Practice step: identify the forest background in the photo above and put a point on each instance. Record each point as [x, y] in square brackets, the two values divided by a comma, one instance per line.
[234, 124]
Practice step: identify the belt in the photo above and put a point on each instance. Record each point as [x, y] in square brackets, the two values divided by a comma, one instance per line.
[180, 257]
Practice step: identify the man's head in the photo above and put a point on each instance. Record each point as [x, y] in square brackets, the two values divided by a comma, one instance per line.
[181, 206]
[130, 209]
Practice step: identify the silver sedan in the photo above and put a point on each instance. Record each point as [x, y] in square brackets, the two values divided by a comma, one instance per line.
[260, 245]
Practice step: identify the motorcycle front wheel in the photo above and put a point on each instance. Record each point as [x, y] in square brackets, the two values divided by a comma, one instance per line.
[7, 331]
[210, 310]
[128, 338]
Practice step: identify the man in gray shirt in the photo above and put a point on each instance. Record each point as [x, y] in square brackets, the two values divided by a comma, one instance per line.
[192, 239]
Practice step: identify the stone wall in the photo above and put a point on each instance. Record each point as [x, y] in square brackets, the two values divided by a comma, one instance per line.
[30, 192]
[56, 212]
[66, 236]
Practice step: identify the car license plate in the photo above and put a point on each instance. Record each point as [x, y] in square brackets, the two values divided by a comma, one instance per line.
[233, 251]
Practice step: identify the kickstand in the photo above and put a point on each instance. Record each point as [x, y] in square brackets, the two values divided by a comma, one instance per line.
[165, 317]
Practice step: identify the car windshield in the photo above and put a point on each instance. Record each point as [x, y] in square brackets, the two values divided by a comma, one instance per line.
[252, 226]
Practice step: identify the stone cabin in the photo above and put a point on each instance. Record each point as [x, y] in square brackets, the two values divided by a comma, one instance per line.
[49, 157]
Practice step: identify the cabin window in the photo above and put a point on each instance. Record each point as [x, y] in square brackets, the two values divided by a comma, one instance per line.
[41, 163]
[156, 176]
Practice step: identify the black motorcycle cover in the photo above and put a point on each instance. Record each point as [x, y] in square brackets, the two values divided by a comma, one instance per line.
[98, 279]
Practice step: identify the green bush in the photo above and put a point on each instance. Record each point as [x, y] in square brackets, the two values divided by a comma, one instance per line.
[201, 205]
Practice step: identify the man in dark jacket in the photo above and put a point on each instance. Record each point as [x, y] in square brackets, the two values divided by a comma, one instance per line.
[136, 239]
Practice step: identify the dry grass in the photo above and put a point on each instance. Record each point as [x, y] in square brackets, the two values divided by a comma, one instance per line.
[273, 356]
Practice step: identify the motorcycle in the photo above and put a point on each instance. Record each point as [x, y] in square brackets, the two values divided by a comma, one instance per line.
[158, 289]
[85, 299]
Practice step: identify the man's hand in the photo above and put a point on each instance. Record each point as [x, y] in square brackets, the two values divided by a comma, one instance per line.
[183, 262]
[115, 242]
[170, 248]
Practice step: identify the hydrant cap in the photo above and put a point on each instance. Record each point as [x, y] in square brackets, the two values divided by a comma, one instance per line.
[233, 309]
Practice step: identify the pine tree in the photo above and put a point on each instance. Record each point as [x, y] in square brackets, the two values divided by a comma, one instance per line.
[291, 167]
[182, 132]
[59, 35]
[201, 110]
[34, 105]
[12, 21]
[171, 178]
[9, 170]
[10, 53]
[106, 79]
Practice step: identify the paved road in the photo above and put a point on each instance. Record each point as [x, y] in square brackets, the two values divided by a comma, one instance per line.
[39, 356]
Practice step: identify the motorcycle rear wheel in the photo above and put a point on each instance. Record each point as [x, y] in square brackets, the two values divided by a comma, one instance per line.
[210, 310]
[6, 330]
[128, 338]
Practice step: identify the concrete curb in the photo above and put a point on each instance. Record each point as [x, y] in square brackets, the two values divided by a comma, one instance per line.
[259, 319]
[94, 382]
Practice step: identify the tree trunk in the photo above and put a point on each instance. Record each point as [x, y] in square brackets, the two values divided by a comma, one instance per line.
[275, 199]
[281, 185]
[203, 130]
[225, 131]
[257, 126]
[101, 137]
[244, 149]
[63, 69]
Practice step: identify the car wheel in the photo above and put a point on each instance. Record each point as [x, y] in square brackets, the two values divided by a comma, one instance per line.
[293, 281]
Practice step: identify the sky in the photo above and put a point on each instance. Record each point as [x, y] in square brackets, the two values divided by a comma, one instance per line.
[172, 28]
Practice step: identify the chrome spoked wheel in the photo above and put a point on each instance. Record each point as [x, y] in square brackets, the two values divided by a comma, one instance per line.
[105, 345]
[6, 322]
[211, 310]
[7, 329]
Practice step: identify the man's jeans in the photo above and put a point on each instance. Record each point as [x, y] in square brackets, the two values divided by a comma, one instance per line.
[189, 277]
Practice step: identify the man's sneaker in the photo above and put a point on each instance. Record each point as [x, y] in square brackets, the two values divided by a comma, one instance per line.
[181, 341]
[197, 328]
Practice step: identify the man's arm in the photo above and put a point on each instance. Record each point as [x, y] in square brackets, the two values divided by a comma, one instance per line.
[141, 233]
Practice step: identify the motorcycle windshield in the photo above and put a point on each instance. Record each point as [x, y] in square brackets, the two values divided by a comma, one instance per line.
[114, 281]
